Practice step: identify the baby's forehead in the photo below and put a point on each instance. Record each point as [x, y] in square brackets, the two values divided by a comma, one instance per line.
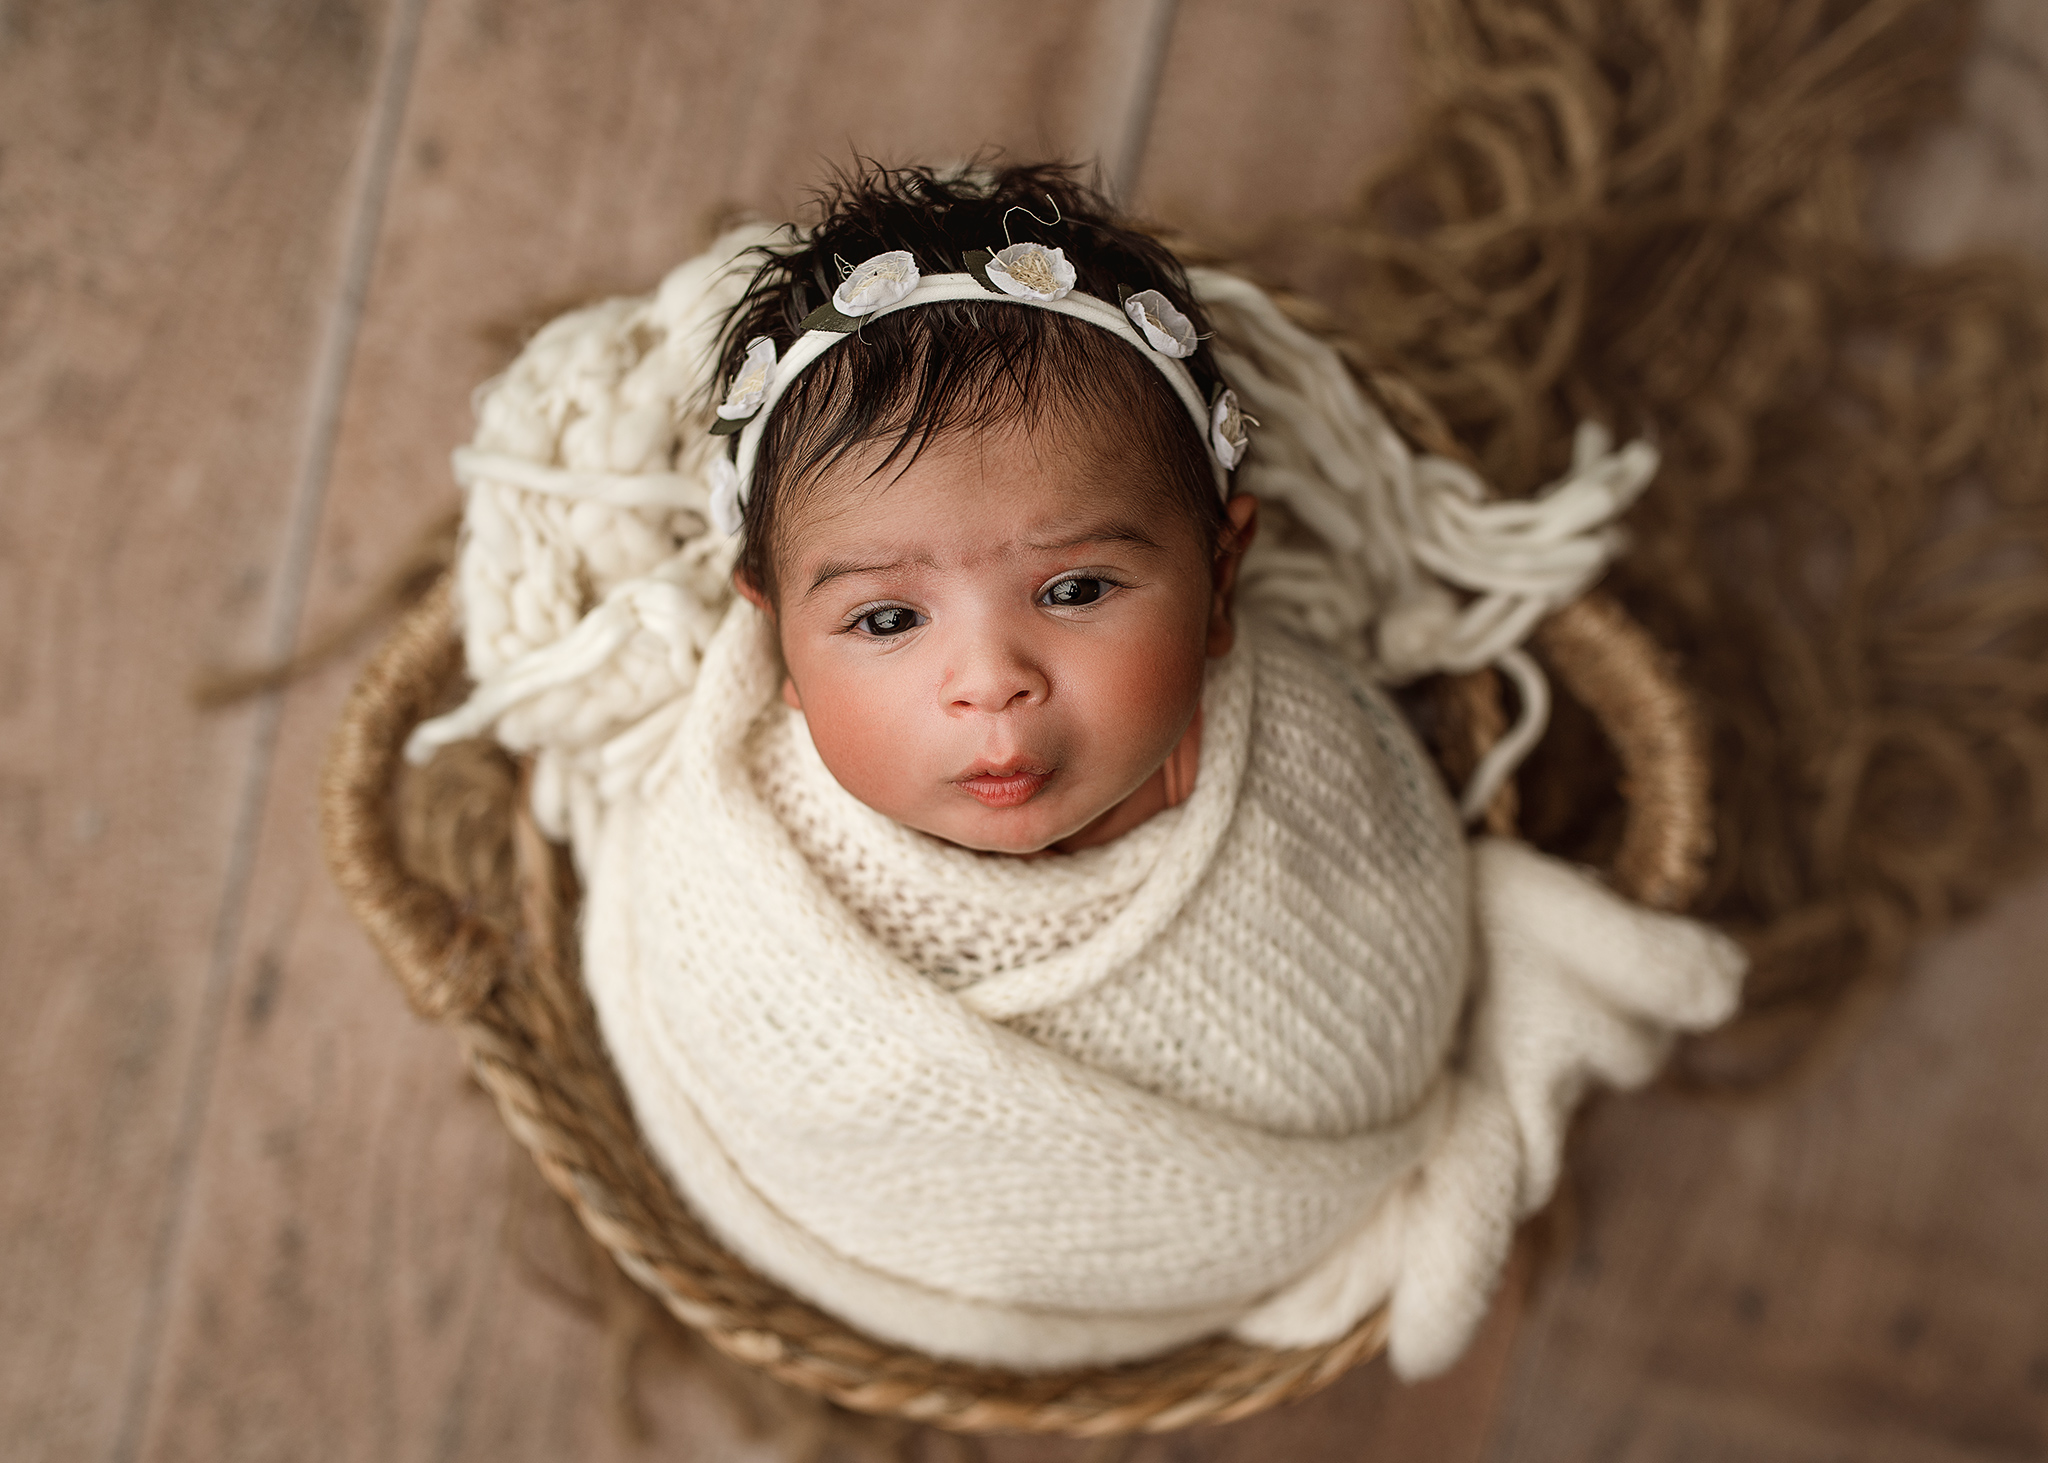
[1047, 481]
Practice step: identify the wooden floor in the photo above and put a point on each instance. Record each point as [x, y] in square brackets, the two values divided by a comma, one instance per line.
[252, 260]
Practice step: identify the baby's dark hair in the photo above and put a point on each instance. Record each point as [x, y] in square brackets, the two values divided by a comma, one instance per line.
[913, 375]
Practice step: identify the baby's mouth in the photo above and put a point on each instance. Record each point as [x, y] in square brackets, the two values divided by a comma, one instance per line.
[1006, 786]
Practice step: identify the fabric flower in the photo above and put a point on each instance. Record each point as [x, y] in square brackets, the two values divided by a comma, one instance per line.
[1227, 432]
[725, 496]
[876, 283]
[1167, 330]
[751, 384]
[1031, 272]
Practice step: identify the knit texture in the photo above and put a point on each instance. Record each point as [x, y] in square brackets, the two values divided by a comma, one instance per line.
[1280, 1055]
[1327, 1016]
[894, 1075]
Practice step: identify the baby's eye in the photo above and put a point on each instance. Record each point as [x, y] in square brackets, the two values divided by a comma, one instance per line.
[1070, 593]
[890, 620]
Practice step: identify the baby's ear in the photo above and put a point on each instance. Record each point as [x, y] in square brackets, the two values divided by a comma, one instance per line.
[1243, 511]
[751, 592]
[789, 695]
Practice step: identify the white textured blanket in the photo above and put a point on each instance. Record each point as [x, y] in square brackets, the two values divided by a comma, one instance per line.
[1279, 1055]
[1072, 1110]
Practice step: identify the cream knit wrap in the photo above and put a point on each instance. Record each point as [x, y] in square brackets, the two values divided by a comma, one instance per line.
[1281, 1055]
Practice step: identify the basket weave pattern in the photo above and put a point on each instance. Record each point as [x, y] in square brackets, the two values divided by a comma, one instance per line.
[510, 990]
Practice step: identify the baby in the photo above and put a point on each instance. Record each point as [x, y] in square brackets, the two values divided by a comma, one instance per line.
[990, 538]
[1021, 921]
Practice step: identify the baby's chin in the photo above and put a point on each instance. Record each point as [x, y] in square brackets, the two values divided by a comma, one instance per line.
[1030, 827]
[990, 830]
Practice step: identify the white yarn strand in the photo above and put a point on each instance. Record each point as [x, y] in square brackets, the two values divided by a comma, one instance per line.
[1512, 750]
[612, 489]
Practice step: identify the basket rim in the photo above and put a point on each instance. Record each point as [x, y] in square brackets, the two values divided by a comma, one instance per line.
[511, 1001]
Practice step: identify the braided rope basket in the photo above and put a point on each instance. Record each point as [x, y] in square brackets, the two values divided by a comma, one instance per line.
[489, 950]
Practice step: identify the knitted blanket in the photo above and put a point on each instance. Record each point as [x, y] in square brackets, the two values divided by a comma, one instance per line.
[1041, 1113]
[1279, 1055]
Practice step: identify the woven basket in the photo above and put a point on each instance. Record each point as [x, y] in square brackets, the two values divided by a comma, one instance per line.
[489, 951]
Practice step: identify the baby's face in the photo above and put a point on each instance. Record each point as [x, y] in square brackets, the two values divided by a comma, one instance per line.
[1002, 642]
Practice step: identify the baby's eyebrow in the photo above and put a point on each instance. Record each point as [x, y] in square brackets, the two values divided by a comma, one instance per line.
[833, 569]
[1098, 533]
[1093, 533]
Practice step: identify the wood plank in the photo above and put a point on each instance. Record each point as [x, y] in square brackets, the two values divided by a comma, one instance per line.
[1272, 116]
[172, 208]
[342, 1288]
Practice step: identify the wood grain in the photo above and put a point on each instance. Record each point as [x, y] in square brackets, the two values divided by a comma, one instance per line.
[1271, 117]
[172, 215]
[256, 1210]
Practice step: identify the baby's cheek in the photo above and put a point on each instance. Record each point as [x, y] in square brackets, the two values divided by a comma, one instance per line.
[1144, 691]
[865, 729]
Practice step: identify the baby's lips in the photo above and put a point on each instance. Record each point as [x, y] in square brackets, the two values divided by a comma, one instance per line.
[1005, 786]
[1016, 767]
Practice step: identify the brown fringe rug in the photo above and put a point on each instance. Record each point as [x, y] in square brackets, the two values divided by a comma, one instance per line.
[1655, 212]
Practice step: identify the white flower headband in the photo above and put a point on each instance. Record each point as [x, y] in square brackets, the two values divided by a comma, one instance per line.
[1028, 274]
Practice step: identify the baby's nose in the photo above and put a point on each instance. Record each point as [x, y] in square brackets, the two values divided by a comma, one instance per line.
[995, 677]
